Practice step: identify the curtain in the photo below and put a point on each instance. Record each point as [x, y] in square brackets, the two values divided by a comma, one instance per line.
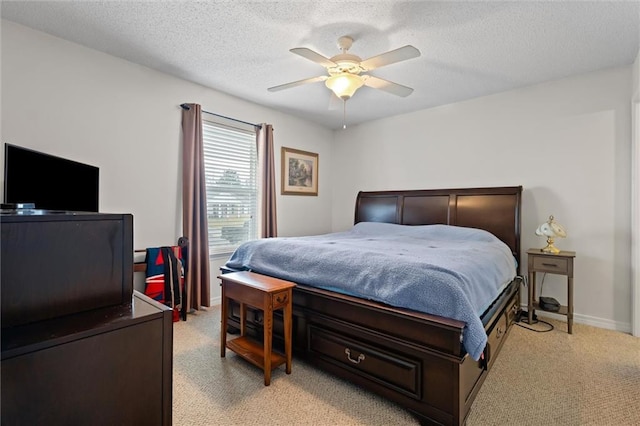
[267, 176]
[194, 209]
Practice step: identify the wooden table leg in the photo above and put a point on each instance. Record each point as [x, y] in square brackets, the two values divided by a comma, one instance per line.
[287, 311]
[268, 334]
[223, 326]
[243, 318]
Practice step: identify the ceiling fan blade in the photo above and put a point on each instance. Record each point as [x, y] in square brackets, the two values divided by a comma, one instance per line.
[390, 57]
[313, 56]
[387, 86]
[297, 83]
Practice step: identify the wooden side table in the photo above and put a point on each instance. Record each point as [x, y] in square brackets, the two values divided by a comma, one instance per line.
[261, 292]
[561, 264]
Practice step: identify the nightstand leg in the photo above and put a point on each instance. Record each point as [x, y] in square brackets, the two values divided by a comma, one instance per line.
[570, 307]
[531, 290]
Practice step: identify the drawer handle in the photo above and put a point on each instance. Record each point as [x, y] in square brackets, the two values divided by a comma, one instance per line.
[355, 361]
[499, 332]
[553, 265]
[281, 298]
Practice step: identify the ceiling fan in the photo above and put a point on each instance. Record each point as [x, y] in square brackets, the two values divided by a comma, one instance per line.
[346, 71]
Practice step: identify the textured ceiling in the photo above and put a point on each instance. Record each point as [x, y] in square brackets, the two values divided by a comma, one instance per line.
[469, 49]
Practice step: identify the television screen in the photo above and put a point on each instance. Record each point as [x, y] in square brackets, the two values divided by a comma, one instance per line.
[50, 182]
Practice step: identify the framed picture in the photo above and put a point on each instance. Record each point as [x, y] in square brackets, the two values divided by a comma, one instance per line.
[299, 172]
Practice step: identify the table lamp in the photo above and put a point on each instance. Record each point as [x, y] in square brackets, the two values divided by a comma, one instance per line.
[551, 230]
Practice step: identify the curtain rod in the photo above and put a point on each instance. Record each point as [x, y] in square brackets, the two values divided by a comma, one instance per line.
[185, 106]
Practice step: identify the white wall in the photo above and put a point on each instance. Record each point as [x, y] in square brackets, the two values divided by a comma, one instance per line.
[635, 199]
[78, 103]
[636, 76]
[566, 142]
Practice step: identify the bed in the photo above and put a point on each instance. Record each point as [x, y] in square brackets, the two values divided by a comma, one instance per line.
[413, 358]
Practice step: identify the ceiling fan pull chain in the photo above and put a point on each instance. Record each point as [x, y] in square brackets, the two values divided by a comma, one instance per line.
[344, 113]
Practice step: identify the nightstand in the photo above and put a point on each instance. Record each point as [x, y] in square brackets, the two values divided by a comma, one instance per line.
[560, 264]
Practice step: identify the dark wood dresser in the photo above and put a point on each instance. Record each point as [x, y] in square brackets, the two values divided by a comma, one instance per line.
[79, 346]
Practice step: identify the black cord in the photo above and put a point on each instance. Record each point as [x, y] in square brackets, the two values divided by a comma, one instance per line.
[524, 318]
[537, 331]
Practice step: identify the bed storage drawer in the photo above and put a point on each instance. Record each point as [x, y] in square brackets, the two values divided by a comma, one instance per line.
[497, 333]
[373, 363]
[512, 310]
[496, 336]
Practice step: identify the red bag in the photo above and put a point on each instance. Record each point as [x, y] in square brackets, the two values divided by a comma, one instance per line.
[165, 277]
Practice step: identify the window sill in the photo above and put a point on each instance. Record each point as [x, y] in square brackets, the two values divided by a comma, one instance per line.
[219, 256]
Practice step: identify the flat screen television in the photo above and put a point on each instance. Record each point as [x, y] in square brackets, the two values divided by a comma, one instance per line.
[50, 182]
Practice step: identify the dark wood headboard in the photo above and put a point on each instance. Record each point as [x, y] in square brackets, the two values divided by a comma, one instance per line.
[496, 210]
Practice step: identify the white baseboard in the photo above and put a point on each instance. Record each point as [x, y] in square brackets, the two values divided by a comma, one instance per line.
[215, 301]
[587, 320]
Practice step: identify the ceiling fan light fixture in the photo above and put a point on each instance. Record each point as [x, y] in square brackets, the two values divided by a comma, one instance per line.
[344, 85]
[345, 70]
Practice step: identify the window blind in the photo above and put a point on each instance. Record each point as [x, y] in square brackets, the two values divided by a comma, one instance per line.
[230, 163]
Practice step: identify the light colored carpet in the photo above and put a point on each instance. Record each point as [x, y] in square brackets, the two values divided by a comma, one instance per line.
[589, 378]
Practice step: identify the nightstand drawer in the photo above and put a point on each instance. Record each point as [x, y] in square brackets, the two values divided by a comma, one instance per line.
[550, 264]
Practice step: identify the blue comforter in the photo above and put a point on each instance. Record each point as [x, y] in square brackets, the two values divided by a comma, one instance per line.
[449, 271]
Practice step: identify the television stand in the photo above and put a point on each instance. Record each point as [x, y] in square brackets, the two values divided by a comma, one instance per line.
[79, 345]
[105, 366]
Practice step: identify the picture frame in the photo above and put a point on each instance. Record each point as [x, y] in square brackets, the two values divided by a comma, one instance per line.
[299, 172]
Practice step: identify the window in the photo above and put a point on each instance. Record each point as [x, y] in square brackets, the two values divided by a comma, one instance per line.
[230, 163]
